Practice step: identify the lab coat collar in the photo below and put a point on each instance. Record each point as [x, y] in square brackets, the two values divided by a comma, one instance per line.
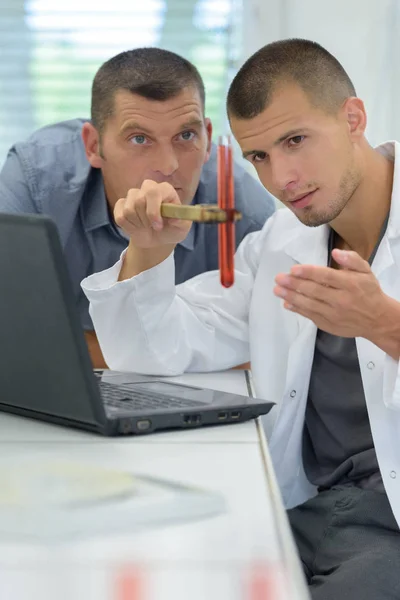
[309, 246]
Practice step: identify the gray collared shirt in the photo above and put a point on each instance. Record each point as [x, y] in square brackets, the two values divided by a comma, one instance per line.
[338, 448]
[49, 174]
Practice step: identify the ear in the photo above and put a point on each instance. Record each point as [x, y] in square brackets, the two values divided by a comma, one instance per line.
[356, 117]
[91, 141]
[209, 137]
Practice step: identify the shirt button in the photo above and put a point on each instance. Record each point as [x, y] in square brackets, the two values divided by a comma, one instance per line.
[292, 393]
[371, 365]
[393, 474]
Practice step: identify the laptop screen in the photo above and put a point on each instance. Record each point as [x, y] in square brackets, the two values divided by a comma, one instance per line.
[45, 363]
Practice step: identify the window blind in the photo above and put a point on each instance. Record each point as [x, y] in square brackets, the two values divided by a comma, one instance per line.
[50, 52]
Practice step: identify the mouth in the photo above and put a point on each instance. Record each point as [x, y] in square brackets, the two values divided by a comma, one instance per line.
[302, 201]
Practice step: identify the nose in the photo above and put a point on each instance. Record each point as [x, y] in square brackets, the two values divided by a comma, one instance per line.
[284, 175]
[165, 161]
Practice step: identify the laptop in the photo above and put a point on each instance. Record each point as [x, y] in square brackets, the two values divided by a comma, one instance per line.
[46, 372]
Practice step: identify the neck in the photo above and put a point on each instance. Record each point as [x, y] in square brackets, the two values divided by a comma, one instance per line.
[359, 224]
[111, 198]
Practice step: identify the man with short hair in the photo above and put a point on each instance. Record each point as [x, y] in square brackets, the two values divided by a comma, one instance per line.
[315, 304]
[148, 123]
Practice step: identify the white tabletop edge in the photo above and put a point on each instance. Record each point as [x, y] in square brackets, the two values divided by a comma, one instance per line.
[288, 547]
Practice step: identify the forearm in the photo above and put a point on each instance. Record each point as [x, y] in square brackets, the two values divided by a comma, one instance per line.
[386, 334]
[137, 260]
[95, 352]
[147, 325]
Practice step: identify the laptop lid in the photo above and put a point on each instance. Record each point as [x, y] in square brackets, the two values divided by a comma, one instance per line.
[43, 350]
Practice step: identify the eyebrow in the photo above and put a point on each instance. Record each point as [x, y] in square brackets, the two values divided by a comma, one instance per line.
[288, 134]
[192, 123]
[135, 125]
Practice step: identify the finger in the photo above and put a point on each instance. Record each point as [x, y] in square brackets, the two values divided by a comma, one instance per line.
[118, 208]
[304, 303]
[308, 288]
[169, 193]
[351, 260]
[156, 194]
[152, 199]
[135, 209]
[124, 218]
[325, 276]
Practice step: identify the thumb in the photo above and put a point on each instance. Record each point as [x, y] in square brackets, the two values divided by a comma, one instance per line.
[351, 260]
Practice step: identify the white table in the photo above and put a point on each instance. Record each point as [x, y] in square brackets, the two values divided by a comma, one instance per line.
[235, 555]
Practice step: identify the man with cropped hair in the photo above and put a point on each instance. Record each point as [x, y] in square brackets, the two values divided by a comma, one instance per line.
[315, 304]
[147, 123]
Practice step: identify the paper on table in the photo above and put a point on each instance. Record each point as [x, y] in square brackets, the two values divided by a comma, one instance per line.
[61, 484]
[54, 499]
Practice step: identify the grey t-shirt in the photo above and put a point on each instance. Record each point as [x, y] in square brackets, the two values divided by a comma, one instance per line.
[50, 174]
[337, 442]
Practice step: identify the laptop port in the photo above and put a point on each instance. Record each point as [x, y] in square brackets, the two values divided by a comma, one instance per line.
[143, 424]
[192, 419]
[236, 414]
[222, 416]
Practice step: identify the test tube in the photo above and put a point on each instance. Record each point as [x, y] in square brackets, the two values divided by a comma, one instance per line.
[226, 201]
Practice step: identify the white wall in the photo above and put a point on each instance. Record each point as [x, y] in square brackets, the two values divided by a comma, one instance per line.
[364, 35]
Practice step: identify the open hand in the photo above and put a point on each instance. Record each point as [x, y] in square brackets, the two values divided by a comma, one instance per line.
[346, 302]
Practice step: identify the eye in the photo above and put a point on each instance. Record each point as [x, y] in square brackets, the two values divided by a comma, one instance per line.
[138, 140]
[187, 136]
[258, 157]
[296, 140]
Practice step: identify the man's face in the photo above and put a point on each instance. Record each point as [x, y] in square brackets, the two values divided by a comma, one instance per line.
[165, 141]
[304, 156]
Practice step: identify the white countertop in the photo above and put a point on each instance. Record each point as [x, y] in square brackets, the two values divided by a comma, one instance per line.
[226, 557]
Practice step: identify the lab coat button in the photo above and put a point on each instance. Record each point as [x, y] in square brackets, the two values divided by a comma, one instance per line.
[393, 474]
[292, 393]
[371, 365]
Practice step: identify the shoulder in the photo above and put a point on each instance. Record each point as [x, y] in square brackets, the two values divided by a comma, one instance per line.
[284, 220]
[281, 232]
[287, 232]
[54, 156]
[281, 229]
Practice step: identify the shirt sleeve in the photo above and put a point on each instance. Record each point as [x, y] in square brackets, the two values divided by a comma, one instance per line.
[15, 192]
[146, 324]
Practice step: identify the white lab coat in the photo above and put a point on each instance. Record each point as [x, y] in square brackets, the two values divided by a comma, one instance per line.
[147, 325]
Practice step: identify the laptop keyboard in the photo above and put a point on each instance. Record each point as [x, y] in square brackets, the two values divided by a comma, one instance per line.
[125, 397]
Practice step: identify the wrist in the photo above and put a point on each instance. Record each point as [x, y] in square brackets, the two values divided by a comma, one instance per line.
[386, 330]
[137, 260]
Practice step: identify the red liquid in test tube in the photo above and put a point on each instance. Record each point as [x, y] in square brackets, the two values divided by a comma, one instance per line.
[226, 201]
